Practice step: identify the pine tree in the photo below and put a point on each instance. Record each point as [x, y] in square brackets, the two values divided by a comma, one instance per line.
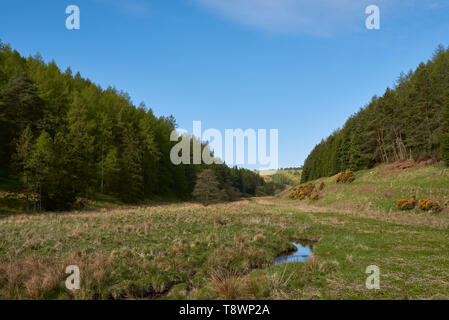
[40, 166]
[60, 194]
[445, 135]
[206, 189]
[111, 169]
[81, 138]
[150, 150]
[24, 153]
[90, 139]
[105, 139]
[131, 174]
[20, 106]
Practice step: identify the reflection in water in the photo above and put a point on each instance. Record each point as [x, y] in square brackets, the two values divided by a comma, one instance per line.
[302, 254]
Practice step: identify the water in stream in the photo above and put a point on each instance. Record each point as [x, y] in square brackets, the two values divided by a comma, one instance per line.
[302, 254]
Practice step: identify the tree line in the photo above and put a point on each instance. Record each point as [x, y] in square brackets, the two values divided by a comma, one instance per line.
[410, 121]
[66, 137]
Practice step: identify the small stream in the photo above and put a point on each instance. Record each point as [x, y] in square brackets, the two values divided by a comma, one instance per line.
[302, 253]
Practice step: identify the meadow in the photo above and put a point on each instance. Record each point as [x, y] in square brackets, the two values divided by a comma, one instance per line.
[227, 251]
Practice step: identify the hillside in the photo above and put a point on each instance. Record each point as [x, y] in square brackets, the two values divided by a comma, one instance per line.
[65, 140]
[410, 121]
[277, 181]
[290, 176]
[379, 189]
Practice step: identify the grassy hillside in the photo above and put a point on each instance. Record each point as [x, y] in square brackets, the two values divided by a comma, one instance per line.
[281, 179]
[381, 187]
[71, 138]
[410, 120]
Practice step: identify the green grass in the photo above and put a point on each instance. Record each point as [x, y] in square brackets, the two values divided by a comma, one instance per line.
[175, 252]
[380, 188]
[227, 251]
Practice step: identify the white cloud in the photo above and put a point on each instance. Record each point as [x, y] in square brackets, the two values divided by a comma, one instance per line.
[316, 17]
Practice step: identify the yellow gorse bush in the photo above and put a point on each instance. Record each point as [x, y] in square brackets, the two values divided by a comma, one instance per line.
[303, 192]
[315, 196]
[425, 205]
[344, 177]
[429, 205]
[405, 204]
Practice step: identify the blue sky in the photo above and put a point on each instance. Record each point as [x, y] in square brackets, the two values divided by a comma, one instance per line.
[299, 66]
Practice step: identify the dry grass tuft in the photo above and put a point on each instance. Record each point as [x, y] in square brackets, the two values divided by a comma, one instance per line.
[128, 228]
[219, 220]
[31, 278]
[77, 233]
[240, 238]
[259, 238]
[147, 227]
[227, 285]
[278, 284]
[312, 265]
[211, 239]
[350, 259]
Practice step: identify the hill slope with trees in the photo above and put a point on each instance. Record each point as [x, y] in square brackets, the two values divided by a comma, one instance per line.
[64, 137]
[410, 120]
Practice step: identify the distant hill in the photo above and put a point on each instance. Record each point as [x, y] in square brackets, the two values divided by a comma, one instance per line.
[281, 179]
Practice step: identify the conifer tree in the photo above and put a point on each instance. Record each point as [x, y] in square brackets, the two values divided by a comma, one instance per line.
[131, 173]
[90, 139]
[24, 153]
[81, 138]
[445, 134]
[20, 106]
[206, 188]
[111, 169]
[40, 166]
[410, 121]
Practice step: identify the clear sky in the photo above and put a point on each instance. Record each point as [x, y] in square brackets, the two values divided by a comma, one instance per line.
[300, 66]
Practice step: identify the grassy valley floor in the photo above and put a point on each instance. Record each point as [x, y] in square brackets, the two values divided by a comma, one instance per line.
[226, 251]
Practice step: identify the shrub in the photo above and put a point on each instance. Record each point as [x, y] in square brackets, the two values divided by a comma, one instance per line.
[345, 177]
[303, 192]
[429, 205]
[405, 204]
[321, 187]
[233, 194]
[315, 196]
[81, 203]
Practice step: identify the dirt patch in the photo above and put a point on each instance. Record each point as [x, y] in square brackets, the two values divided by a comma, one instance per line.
[426, 163]
[397, 167]
[347, 204]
